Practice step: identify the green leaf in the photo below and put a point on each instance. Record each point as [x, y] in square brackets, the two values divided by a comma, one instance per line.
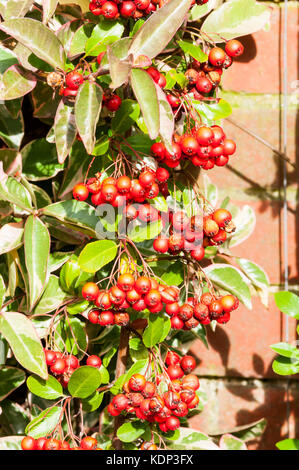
[163, 25]
[120, 63]
[38, 38]
[157, 329]
[93, 402]
[13, 419]
[37, 250]
[255, 273]
[245, 222]
[286, 365]
[139, 143]
[193, 50]
[286, 350]
[236, 18]
[17, 329]
[11, 127]
[79, 39]
[166, 119]
[198, 11]
[190, 439]
[230, 279]
[288, 444]
[174, 275]
[10, 379]
[36, 168]
[11, 443]
[97, 254]
[13, 191]
[16, 9]
[52, 297]
[78, 213]
[138, 233]
[125, 116]
[49, 389]
[230, 442]
[129, 432]
[49, 7]
[212, 111]
[15, 83]
[288, 303]
[78, 307]
[105, 32]
[84, 381]
[88, 106]
[70, 334]
[44, 423]
[2, 297]
[145, 91]
[11, 236]
[64, 129]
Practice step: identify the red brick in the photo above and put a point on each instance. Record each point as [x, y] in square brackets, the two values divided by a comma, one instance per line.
[241, 348]
[234, 403]
[260, 68]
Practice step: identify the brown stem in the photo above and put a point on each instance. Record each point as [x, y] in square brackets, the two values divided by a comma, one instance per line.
[120, 370]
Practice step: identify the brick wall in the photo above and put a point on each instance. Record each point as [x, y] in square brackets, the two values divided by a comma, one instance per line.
[236, 371]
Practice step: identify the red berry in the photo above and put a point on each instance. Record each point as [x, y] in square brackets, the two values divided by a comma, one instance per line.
[234, 48]
[172, 423]
[28, 443]
[88, 443]
[123, 184]
[40, 443]
[72, 362]
[172, 358]
[162, 175]
[109, 10]
[161, 244]
[217, 56]
[94, 361]
[50, 356]
[204, 85]
[80, 192]
[114, 103]
[73, 80]
[126, 282]
[108, 193]
[176, 323]
[58, 367]
[52, 444]
[106, 318]
[222, 217]
[146, 179]
[173, 101]
[127, 9]
[188, 364]
[90, 291]
[204, 136]
[137, 383]
[158, 149]
[175, 372]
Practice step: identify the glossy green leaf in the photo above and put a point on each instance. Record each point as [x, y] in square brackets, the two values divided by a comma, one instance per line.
[11, 236]
[16, 9]
[70, 334]
[198, 11]
[93, 402]
[230, 279]
[88, 106]
[286, 350]
[84, 381]
[245, 222]
[236, 18]
[65, 130]
[53, 296]
[10, 379]
[37, 250]
[36, 168]
[13, 191]
[7, 58]
[131, 431]
[156, 331]
[145, 91]
[166, 119]
[286, 365]
[120, 62]
[138, 233]
[193, 50]
[191, 439]
[49, 7]
[11, 127]
[288, 444]
[44, 423]
[17, 329]
[15, 83]
[38, 38]
[288, 303]
[105, 32]
[49, 389]
[97, 254]
[13, 419]
[2, 297]
[125, 116]
[163, 25]
[230, 442]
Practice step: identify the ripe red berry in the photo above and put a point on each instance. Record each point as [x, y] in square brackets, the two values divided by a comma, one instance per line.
[173, 101]
[234, 48]
[50, 356]
[109, 10]
[222, 217]
[172, 423]
[113, 411]
[186, 312]
[127, 9]
[162, 175]
[201, 311]
[123, 184]
[58, 367]
[106, 318]
[217, 56]
[73, 80]
[172, 358]
[108, 193]
[204, 136]
[88, 443]
[161, 244]
[215, 309]
[80, 192]
[198, 253]
[28, 443]
[137, 383]
[188, 364]
[120, 402]
[103, 300]
[175, 372]
[90, 291]
[94, 361]
[72, 362]
[158, 149]
[204, 85]
[228, 302]
[143, 285]
[190, 381]
[146, 178]
[176, 323]
[40, 443]
[52, 444]
[114, 103]
[228, 147]
[126, 282]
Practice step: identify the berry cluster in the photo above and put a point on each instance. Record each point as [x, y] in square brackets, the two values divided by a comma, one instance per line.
[125, 191]
[63, 366]
[126, 8]
[204, 147]
[194, 234]
[71, 84]
[203, 78]
[141, 397]
[139, 294]
[42, 443]
[208, 308]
